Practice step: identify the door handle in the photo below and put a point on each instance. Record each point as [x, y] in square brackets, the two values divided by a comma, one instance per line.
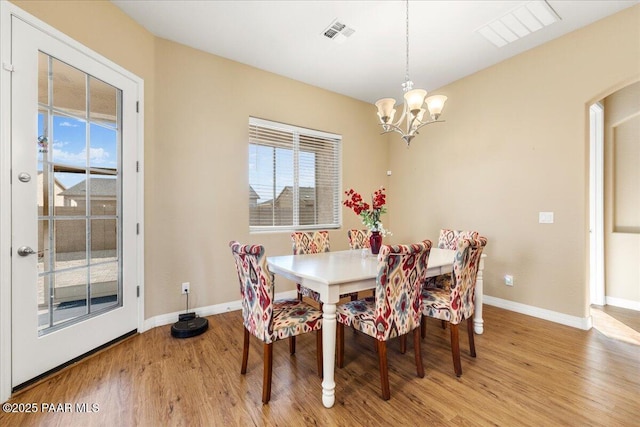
[25, 250]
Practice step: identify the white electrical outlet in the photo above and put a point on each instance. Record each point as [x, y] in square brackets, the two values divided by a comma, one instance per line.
[508, 280]
[185, 288]
[545, 217]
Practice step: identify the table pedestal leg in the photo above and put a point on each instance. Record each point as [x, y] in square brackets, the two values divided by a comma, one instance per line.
[328, 354]
[478, 322]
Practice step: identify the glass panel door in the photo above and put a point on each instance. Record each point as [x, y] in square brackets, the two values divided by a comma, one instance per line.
[79, 134]
[74, 146]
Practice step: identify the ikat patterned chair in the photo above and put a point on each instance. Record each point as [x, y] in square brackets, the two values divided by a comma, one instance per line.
[358, 239]
[448, 239]
[456, 304]
[396, 308]
[311, 242]
[267, 319]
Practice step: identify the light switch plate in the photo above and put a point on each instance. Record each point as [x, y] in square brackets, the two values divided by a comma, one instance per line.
[545, 217]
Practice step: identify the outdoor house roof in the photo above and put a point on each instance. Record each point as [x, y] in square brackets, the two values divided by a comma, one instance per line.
[99, 187]
[305, 193]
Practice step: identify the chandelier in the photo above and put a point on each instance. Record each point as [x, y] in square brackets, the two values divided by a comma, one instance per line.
[413, 112]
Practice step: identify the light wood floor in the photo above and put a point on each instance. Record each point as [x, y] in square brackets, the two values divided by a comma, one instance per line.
[617, 323]
[529, 372]
[630, 318]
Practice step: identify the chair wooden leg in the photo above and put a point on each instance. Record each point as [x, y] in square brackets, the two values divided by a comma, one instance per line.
[384, 371]
[245, 352]
[292, 345]
[423, 326]
[354, 296]
[455, 349]
[267, 370]
[403, 343]
[319, 351]
[472, 344]
[418, 352]
[340, 344]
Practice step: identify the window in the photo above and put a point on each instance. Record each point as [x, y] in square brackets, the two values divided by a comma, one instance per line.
[294, 179]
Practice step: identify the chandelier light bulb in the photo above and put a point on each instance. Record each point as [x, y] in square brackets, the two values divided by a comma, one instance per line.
[435, 104]
[385, 109]
[415, 99]
[419, 118]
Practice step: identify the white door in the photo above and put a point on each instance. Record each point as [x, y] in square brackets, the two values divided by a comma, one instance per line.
[73, 194]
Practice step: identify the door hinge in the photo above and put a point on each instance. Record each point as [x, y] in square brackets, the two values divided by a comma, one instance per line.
[8, 67]
[137, 166]
[138, 228]
[137, 106]
[138, 291]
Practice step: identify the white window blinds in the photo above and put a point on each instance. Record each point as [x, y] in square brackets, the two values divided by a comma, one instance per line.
[294, 177]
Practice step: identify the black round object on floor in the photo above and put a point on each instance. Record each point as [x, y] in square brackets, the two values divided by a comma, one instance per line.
[189, 328]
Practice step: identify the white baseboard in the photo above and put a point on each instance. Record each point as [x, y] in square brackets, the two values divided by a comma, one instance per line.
[166, 319]
[585, 323]
[622, 303]
[541, 313]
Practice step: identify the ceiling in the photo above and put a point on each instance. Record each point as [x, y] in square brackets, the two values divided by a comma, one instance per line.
[286, 37]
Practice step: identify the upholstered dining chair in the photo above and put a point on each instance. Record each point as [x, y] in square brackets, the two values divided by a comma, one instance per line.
[311, 242]
[448, 239]
[456, 303]
[267, 319]
[396, 308]
[358, 239]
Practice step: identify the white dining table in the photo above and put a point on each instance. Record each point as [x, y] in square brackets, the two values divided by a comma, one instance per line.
[332, 274]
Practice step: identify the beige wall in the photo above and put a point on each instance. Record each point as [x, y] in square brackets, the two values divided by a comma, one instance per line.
[622, 194]
[514, 144]
[203, 108]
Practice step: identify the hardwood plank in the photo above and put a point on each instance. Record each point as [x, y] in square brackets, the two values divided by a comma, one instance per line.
[630, 318]
[528, 372]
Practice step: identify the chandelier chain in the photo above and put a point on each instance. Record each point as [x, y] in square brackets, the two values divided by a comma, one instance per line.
[407, 37]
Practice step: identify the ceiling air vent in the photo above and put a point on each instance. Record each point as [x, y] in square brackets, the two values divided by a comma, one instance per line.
[338, 32]
[520, 22]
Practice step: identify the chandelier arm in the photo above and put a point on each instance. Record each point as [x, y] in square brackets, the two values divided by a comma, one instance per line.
[411, 122]
[391, 128]
[428, 123]
[394, 128]
[402, 116]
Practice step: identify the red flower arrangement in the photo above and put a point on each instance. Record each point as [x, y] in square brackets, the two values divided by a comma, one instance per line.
[370, 213]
